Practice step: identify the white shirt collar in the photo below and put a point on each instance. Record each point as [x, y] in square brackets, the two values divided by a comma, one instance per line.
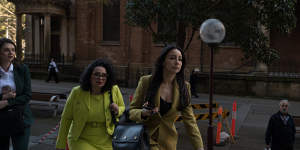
[10, 69]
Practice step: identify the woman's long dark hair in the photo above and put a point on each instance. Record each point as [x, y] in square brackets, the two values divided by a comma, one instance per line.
[6, 40]
[85, 78]
[157, 79]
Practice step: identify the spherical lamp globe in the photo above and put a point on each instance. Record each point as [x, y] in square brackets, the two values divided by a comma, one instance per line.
[212, 31]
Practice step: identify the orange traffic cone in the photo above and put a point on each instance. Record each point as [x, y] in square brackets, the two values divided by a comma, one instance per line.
[67, 147]
[219, 126]
[130, 98]
[233, 119]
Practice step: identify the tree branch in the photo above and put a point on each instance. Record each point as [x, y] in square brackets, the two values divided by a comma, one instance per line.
[12, 13]
[151, 29]
[213, 5]
[154, 33]
[190, 40]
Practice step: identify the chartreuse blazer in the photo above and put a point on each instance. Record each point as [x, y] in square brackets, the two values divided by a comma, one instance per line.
[23, 91]
[74, 117]
[161, 129]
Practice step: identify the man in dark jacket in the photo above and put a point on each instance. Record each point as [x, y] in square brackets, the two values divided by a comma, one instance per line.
[281, 129]
[193, 81]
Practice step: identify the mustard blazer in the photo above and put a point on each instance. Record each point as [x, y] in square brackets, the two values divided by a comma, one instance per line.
[161, 129]
[74, 117]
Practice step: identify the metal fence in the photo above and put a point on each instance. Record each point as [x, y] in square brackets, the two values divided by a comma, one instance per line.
[59, 59]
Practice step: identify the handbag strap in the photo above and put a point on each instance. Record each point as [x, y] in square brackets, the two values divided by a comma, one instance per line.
[114, 120]
[145, 139]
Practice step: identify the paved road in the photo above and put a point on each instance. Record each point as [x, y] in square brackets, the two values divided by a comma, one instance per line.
[252, 117]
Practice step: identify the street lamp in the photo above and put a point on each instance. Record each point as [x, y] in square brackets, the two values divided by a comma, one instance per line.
[212, 32]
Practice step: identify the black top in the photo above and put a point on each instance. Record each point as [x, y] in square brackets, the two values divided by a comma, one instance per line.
[164, 106]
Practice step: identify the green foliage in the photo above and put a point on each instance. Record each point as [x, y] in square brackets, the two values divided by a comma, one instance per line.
[7, 19]
[244, 21]
[278, 14]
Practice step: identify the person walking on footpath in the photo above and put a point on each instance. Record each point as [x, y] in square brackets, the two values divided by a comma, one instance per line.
[193, 81]
[15, 94]
[86, 122]
[160, 97]
[52, 71]
[280, 134]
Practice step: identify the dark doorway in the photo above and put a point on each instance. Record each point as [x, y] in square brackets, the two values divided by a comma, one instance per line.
[55, 47]
[55, 38]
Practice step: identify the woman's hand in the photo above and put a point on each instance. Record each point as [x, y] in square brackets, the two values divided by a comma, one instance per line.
[3, 104]
[9, 95]
[115, 108]
[148, 112]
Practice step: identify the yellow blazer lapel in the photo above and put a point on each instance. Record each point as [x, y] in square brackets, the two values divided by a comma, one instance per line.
[87, 99]
[157, 99]
[106, 104]
[176, 95]
[82, 108]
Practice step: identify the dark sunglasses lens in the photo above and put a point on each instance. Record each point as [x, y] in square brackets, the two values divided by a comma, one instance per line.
[103, 75]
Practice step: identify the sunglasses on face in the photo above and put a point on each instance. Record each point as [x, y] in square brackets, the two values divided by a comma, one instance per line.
[99, 75]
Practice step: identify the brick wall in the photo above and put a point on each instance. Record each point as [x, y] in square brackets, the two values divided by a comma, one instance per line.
[136, 48]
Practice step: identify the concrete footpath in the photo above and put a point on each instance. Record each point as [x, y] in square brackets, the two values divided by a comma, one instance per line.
[252, 118]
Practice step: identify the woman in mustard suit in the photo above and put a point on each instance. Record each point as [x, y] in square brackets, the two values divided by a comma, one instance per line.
[160, 97]
[86, 121]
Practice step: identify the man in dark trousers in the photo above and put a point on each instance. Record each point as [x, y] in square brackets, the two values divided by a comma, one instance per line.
[193, 82]
[53, 70]
[280, 134]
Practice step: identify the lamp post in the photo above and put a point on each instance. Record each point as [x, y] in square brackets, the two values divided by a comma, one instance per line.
[212, 32]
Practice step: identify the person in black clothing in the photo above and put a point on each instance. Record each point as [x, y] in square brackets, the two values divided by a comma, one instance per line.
[281, 129]
[193, 81]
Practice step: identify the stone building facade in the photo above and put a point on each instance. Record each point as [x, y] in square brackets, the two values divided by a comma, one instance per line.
[78, 31]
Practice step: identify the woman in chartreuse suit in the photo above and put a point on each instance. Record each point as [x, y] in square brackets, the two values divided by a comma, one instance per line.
[86, 121]
[160, 97]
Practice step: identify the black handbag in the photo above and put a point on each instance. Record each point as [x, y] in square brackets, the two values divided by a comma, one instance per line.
[128, 135]
[12, 120]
